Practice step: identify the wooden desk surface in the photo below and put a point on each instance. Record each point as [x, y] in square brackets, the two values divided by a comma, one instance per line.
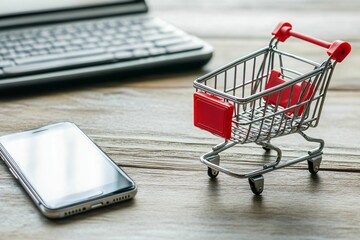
[145, 124]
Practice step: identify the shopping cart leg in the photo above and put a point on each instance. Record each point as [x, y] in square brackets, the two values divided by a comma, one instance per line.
[267, 145]
[315, 151]
[266, 148]
[212, 159]
[215, 159]
[220, 146]
[314, 154]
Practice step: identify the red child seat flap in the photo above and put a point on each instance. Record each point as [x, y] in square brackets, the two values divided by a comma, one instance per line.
[275, 80]
[211, 113]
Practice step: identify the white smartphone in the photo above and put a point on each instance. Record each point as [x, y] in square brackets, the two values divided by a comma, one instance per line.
[64, 171]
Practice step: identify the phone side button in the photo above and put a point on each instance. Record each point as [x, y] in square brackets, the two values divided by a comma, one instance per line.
[96, 205]
[13, 173]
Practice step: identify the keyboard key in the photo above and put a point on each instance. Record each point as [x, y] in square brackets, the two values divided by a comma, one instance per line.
[112, 24]
[38, 52]
[3, 51]
[64, 37]
[172, 41]
[89, 46]
[10, 55]
[23, 48]
[72, 48]
[123, 55]
[157, 51]
[67, 55]
[139, 53]
[97, 33]
[104, 44]
[42, 40]
[130, 47]
[59, 64]
[5, 63]
[135, 28]
[45, 33]
[11, 44]
[93, 40]
[40, 46]
[160, 36]
[123, 29]
[84, 34]
[149, 32]
[120, 36]
[28, 41]
[56, 50]
[107, 37]
[62, 43]
[117, 42]
[77, 41]
[110, 31]
[133, 40]
[184, 47]
[22, 54]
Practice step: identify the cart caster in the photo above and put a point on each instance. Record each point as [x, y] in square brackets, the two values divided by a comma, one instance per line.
[314, 164]
[212, 173]
[257, 184]
[266, 149]
[215, 159]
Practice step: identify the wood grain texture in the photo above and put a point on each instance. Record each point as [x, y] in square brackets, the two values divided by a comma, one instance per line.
[149, 132]
[145, 124]
[187, 205]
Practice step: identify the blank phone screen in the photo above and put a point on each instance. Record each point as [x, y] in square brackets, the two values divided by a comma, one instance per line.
[63, 166]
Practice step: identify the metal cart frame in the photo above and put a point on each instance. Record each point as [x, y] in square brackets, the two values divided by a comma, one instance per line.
[264, 103]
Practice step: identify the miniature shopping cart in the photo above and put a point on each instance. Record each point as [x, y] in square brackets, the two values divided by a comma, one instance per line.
[264, 95]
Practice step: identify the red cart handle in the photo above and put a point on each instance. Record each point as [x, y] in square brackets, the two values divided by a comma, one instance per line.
[338, 50]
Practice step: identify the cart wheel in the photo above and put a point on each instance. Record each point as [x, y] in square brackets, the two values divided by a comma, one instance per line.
[314, 164]
[212, 173]
[257, 184]
[266, 148]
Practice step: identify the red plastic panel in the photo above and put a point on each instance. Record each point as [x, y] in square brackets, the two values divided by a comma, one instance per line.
[275, 80]
[213, 114]
[339, 50]
[282, 31]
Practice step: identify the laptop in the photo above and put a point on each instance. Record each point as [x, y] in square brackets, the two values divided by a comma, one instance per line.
[45, 41]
